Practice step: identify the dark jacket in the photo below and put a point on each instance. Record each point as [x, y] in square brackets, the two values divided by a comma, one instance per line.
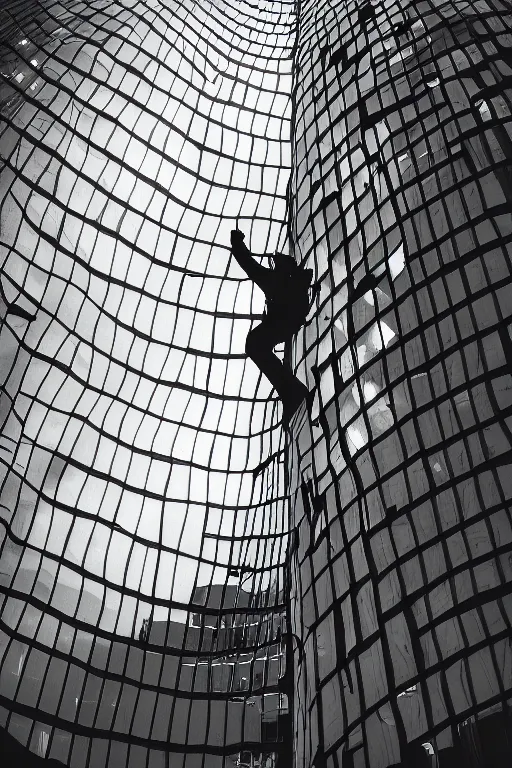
[286, 290]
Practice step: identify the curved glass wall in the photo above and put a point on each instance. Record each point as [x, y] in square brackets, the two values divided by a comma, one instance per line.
[142, 556]
[401, 476]
[155, 612]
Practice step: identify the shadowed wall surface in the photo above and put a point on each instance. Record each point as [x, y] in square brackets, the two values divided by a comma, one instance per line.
[401, 476]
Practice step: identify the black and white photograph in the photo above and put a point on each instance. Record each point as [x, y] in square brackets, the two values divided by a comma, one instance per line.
[255, 383]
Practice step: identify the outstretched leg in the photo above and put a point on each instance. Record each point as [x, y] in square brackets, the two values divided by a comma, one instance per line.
[259, 347]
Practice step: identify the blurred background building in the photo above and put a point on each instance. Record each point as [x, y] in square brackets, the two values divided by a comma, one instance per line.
[183, 584]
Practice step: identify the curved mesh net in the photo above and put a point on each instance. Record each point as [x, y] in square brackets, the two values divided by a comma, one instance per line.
[142, 558]
[401, 482]
[155, 608]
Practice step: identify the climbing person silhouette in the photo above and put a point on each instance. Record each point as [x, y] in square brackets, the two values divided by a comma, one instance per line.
[286, 288]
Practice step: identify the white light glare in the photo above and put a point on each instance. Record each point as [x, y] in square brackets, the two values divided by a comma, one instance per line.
[387, 335]
[396, 262]
[484, 109]
[370, 390]
[356, 437]
[408, 691]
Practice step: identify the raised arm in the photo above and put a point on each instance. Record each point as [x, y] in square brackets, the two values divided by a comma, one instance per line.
[256, 272]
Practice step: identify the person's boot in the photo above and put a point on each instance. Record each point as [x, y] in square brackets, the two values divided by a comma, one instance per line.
[294, 400]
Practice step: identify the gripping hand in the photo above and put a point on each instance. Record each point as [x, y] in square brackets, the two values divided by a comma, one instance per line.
[237, 238]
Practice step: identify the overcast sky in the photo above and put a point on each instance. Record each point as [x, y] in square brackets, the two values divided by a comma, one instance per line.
[135, 288]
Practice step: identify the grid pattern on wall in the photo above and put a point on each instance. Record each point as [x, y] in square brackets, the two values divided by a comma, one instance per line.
[401, 474]
[133, 137]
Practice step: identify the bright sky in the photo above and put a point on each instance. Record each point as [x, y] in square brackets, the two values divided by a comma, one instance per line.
[136, 288]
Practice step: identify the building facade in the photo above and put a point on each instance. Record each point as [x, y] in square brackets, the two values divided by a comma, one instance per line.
[400, 478]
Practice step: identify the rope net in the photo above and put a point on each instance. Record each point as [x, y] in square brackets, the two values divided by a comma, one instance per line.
[155, 613]
[401, 473]
[143, 549]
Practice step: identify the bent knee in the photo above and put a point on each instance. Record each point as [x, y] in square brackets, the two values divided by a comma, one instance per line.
[258, 343]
